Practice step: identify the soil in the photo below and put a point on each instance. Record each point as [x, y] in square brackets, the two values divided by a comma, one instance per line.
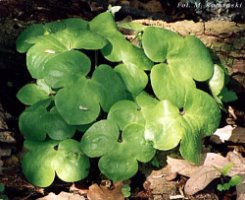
[15, 15]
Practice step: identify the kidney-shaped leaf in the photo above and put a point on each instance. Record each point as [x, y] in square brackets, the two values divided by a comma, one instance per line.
[166, 125]
[36, 122]
[134, 78]
[31, 93]
[169, 83]
[194, 58]
[32, 121]
[24, 41]
[125, 112]
[118, 49]
[158, 43]
[71, 164]
[119, 151]
[110, 85]
[78, 103]
[100, 138]
[65, 68]
[47, 158]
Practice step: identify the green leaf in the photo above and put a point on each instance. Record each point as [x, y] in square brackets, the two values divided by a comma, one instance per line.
[169, 83]
[234, 181]
[32, 121]
[118, 49]
[65, 68]
[227, 95]
[71, 164]
[194, 58]
[167, 125]
[217, 82]
[36, 122]
[110, 85]
[158, 43]
[146, 103]
[119, 151]
[78, 103]
[64, 158]
[31, 93]
[100, 138]
[117, 166]
[40, 172]
[188, 53]
[56, 127]
[39, 54]
[125, 112]
[48, 46]
[134, 78]
[164, 126]
[25, 39]
[142, 149]
[202, 116]
[103, 24]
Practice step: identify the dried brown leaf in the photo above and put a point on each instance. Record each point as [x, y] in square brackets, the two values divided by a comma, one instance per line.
[201, 176]
[62, 196]
[101, 192]
[200, 179]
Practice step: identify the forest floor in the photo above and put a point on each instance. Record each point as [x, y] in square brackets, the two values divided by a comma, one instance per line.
[160, 181]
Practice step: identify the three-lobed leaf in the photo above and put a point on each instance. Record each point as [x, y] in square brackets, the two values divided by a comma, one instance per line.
[48, 158]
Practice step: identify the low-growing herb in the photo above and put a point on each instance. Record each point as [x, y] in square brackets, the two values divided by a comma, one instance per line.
[140, 99]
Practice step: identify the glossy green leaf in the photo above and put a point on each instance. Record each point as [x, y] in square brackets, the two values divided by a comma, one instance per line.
[169, 83]
[125, 112]
[117, 166]
[78, 103]
[164, 126]
[65, 68]
[217, 82]
[110, 85]
[119, 151]
[25, 39]
[71, 164]
[158, 43]
[40, 172]
[36, 122]
[56, 127]
[146, 103]
[118, 49]
[143, 149]
[194, 58]
[31, 93]
[188, 53]
[50, 157]
[39, 54]
[104, 24]
[167, 125]
[32, 121]
[51, 45]
[100, 138]
[227, 95]
[134, 78]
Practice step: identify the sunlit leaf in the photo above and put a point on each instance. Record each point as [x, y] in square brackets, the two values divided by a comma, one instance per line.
[78, 103]
[31, 93]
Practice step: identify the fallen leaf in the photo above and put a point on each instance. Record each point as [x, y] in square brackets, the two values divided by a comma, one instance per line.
[240, 189]
[200, 179]
[224, 133]
[201, 176]
[62, 196]
[102, 192]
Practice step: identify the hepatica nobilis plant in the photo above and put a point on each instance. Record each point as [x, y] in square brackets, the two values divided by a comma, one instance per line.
[141, 99]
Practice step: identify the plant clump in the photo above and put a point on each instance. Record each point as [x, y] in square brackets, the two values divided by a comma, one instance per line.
[141, 99]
